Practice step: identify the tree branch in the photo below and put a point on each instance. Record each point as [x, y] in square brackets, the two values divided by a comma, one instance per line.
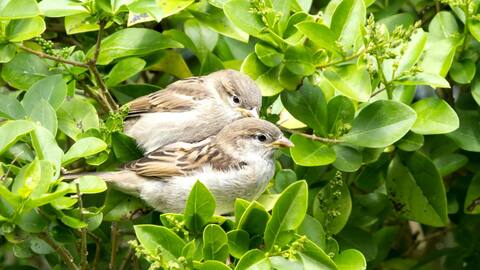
[51, 57]
[92, 65]
[83, 232]
[311, 136]
[66, 256]
[97, 249]
[346, 59]
[114, 235]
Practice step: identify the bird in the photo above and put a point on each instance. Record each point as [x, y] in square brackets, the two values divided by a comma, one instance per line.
[192, 109]
[237, 162]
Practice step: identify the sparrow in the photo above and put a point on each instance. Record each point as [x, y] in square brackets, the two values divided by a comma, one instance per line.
[192, 109]
[236, 163]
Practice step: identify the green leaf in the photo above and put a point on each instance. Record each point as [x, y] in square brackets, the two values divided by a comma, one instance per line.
[333, 205]
[208, 265]
[132, 42]
[352, 81]
[76, 116]
[281, 263]
[253, 259]
[401, 19]
[46, 147]
[299, 60]
[44, 114]
[412, 53]
[215, 243]
[350, 259]
[268, 82]
[203, 38]
[81, 23]
[313, 229]
[353, 237]
[238, 243]
[61, 8]
[199, 208]
[52, 89]
[23, 29]
[83, 148]
[467, 136]
[308, 105]
[439, 54]
[125, 148]
[287, 215]
[472, 200]
[11, 108]
[348, 159]
[31, 221]
[341, 111]
[463, 72]
[27, 179]
[153, 237]
[348, 21]
[416, 189]
[319, 34]
[124, 69]
[7, 52]
[216, 19]
[443, 25]
[434, 116]
[311, 153]
[381, 124]
[410, 142]
[450, 163]
[268, 55]
[12, 131]
[24, 70]
[424, 78]
[314, 257]
[88, 184]
[17, 9]
[240, 13]
[254, 218]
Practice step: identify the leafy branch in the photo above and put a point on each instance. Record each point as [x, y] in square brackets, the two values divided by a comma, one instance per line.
[63, 252]
[311, 136]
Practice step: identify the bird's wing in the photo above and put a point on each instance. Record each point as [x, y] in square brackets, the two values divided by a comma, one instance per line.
[180, 159]
[179, 96]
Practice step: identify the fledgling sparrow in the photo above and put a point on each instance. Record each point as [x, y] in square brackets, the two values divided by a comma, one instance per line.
[193, 109]
[236, 163]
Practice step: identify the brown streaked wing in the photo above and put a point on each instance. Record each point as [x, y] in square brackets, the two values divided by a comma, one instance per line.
[177, 97]
[180, 161]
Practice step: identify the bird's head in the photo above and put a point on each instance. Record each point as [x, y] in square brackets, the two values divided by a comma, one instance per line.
[238, 92]
[251, 136]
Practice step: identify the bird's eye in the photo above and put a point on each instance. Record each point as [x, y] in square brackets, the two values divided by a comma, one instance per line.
[236, 99]
[261, 137]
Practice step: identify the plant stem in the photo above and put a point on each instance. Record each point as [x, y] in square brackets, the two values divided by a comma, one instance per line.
[66, 256]
[378, 92]
[97, 249]
[346, 59]
[83, 232]
[114, 235]
[92, 65]
[312, 136]
[51, 57]
[126, 259]
[383, 79]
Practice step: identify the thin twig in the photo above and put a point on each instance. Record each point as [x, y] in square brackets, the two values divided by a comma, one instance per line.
[66, 256]
[346, 59]
[126, 259]
[83, 232]
[97, 249]
[378, 92]
[114, 235]
[311, 136]
[51, 57]
[92, 65]
[437, 5]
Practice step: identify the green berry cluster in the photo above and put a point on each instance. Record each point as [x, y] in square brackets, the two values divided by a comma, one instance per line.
[47, 45]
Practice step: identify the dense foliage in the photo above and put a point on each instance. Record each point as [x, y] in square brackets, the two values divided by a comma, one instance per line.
[381, 99]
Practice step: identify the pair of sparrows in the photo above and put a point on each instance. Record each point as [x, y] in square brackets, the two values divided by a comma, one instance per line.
[202, 128]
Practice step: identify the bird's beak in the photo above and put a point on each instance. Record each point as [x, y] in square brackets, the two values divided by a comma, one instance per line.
[248, 113]
[282, 143]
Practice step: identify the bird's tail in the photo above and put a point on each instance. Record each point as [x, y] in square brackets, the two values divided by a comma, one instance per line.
[125, 181]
